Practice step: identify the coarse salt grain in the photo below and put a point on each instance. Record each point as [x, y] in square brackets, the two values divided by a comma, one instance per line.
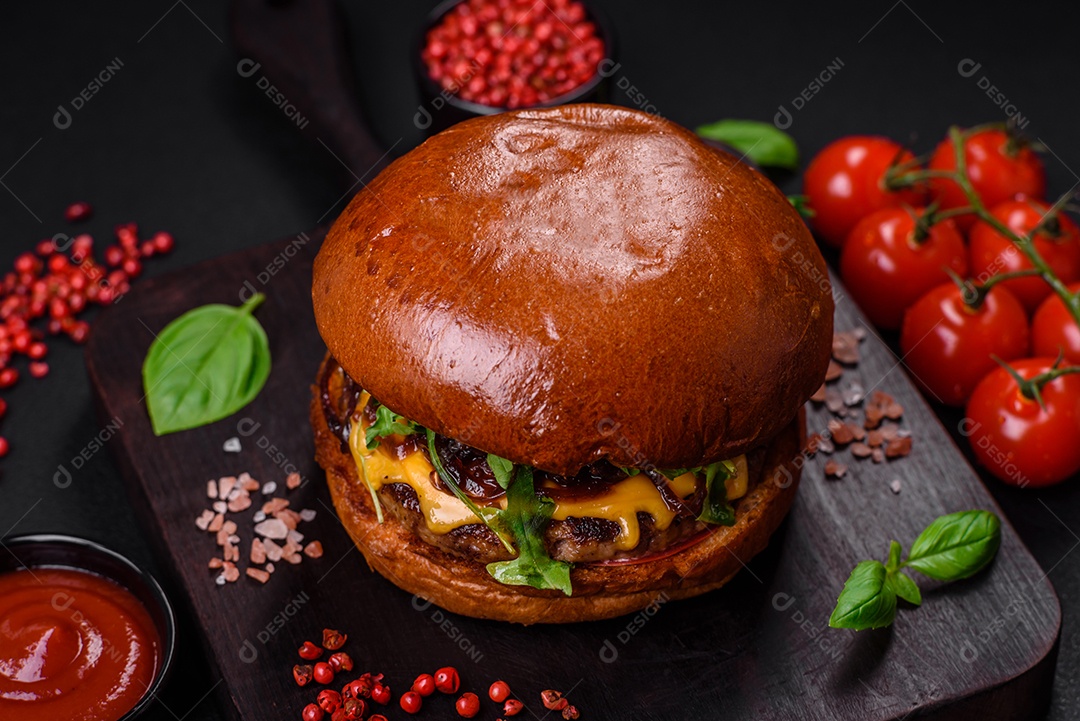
[217, 523]
[273, 551]
[260, 576]
[203, 521]
[259, 516]
[272, 528]
[211, 489]
[258, 551]
[292, 481]
[232, 445]
[313, 550]
[307, 515]
[220, 506]
[295, 536]
[225, 486]
[268, 488]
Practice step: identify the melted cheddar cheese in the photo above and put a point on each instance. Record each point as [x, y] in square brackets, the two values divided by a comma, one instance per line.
[444, 512]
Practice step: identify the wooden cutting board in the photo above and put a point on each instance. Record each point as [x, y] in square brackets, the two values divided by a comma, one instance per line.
[757, 649]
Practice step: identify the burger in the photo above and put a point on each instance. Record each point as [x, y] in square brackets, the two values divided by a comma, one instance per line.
[569, 350]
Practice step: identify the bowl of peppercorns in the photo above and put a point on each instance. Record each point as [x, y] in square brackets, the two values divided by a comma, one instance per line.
[481, 57]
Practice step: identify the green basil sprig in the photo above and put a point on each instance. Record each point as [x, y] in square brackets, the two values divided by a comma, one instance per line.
[954, 546]
[204, 366]
[761, 142]
[526, 515]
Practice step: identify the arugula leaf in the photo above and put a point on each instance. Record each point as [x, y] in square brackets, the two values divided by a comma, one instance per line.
[502, 468]
[630, 472]
[956, 546]
[761, 142]
[488, 515]
[672, 473]
[526, 516]
[387, 423]
[867, 600]
[716, 508]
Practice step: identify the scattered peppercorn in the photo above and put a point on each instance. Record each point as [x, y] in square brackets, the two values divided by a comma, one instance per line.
[411, 702]
[323, 673]
[312, 713]
[424, 684]
[468, 705]
[499, 691]
[329, 700]
[553, 700]
[447, 680]
[302, 674]
[333, 640]
[512, 707]
[309, 651]
[340, 661]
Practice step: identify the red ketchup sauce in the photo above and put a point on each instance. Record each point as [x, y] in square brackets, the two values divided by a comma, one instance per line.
[73, 646]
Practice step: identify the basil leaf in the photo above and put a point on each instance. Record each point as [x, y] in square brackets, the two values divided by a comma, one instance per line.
[502, 468]
[387, 423]
[716, 508]
[801, 204]
[956, 546]
[905, 588]
[761, 142]
[895, 550]
[630, 472]
[204, 366]
[867, 601]
[527, 515]
[488, 515]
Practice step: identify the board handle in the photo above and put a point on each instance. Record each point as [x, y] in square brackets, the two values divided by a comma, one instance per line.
[299, 46]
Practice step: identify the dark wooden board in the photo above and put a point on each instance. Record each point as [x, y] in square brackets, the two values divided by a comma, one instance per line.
[759, 648]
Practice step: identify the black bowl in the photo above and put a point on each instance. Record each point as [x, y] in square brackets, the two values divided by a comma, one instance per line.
[57, 551]
[440, 109]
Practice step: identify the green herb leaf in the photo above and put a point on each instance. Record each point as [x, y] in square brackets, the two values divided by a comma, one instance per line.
[867, 601]
[904, 587]
[630, 472]
[716, 508]
[761, 142]
[672, 473]
[895, 551]
[527, 515]
[387, 423]
[502, 468]
[801, 204]
[488, 515]
[204, 366]
[956, 546]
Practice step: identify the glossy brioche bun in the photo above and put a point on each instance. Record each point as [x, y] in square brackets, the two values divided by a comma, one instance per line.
[600, 591]
[560, 285]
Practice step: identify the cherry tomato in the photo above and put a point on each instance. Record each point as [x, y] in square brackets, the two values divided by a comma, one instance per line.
[886, 270]
[1015, 439]
[947, 344]
[844, 183]
[993, 253]
[999, 170]
[1054, 330]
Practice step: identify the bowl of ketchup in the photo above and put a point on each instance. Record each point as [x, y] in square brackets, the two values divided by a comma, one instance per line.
[85, 634]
